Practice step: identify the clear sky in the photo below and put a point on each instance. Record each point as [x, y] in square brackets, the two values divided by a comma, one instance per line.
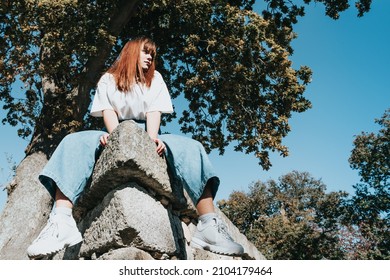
[350, 60]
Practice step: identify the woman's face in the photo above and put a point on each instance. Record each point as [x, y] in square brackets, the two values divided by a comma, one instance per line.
[146, 59]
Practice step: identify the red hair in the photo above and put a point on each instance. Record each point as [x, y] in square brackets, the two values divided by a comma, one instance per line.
[127, 69]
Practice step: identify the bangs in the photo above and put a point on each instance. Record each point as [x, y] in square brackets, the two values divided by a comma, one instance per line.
[150, 48]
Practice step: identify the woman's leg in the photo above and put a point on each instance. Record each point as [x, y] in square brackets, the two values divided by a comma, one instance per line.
[60, 231]
[211, 232]
[190, 165]
[61, 200]
[65, 177]
[205, 204]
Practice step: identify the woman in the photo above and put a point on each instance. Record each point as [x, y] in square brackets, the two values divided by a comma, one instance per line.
[130, 89]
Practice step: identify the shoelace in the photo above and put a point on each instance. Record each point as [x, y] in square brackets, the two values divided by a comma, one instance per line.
[223, 229]
[50, 229]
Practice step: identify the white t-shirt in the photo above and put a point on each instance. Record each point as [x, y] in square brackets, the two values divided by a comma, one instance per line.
[133, 104]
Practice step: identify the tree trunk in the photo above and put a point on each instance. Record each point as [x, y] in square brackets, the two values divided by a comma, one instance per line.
[28, 203]
[27, 209]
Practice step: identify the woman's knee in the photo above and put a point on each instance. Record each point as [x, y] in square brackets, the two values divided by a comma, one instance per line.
[197, 144]
[82, 136]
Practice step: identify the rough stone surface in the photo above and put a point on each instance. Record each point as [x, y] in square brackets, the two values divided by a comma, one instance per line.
[26, 211]
[128, 216]
[206, 255]
[130, 156]
[128, 253]
[131, 210]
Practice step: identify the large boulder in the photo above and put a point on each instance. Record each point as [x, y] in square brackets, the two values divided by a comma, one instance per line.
[132, 209]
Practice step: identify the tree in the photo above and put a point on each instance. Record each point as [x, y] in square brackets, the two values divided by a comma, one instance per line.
[295, 219]
[370, 205]
[290, 219]
[371, 156]
[231, 65]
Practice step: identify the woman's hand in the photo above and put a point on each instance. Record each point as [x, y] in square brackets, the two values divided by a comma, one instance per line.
[104, 139]
[160, 146]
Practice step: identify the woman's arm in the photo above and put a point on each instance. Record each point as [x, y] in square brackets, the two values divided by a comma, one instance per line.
[110, 119]
[153, 120]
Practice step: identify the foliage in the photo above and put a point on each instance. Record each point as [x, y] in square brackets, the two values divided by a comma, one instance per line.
[295, 219]
[286, 13]
[353, 243]
[231, 65]
[290, 219]
[371, 156]
[45, 50]
[370, 205]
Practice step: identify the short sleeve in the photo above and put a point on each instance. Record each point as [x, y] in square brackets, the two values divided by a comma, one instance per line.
[100, 100]
[161, 98]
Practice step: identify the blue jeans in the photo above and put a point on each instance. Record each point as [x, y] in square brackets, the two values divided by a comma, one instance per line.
[72, 163]
[190, 164]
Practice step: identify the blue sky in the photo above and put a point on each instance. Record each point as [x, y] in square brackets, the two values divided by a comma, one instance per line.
[350, 59]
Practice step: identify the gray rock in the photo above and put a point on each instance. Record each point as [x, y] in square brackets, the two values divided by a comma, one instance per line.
[129, 216]
[128, 253]
[130, 156]
[131, 210]
[206, 255]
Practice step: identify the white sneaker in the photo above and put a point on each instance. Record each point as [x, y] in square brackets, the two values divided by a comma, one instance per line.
[213, 236]
[59, 232]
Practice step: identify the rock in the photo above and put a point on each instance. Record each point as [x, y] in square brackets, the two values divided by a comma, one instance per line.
[132, 209]
[128, 216]
[128, 253]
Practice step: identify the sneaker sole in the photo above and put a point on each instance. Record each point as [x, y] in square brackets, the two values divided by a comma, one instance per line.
[48, 254]
[199, 244]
